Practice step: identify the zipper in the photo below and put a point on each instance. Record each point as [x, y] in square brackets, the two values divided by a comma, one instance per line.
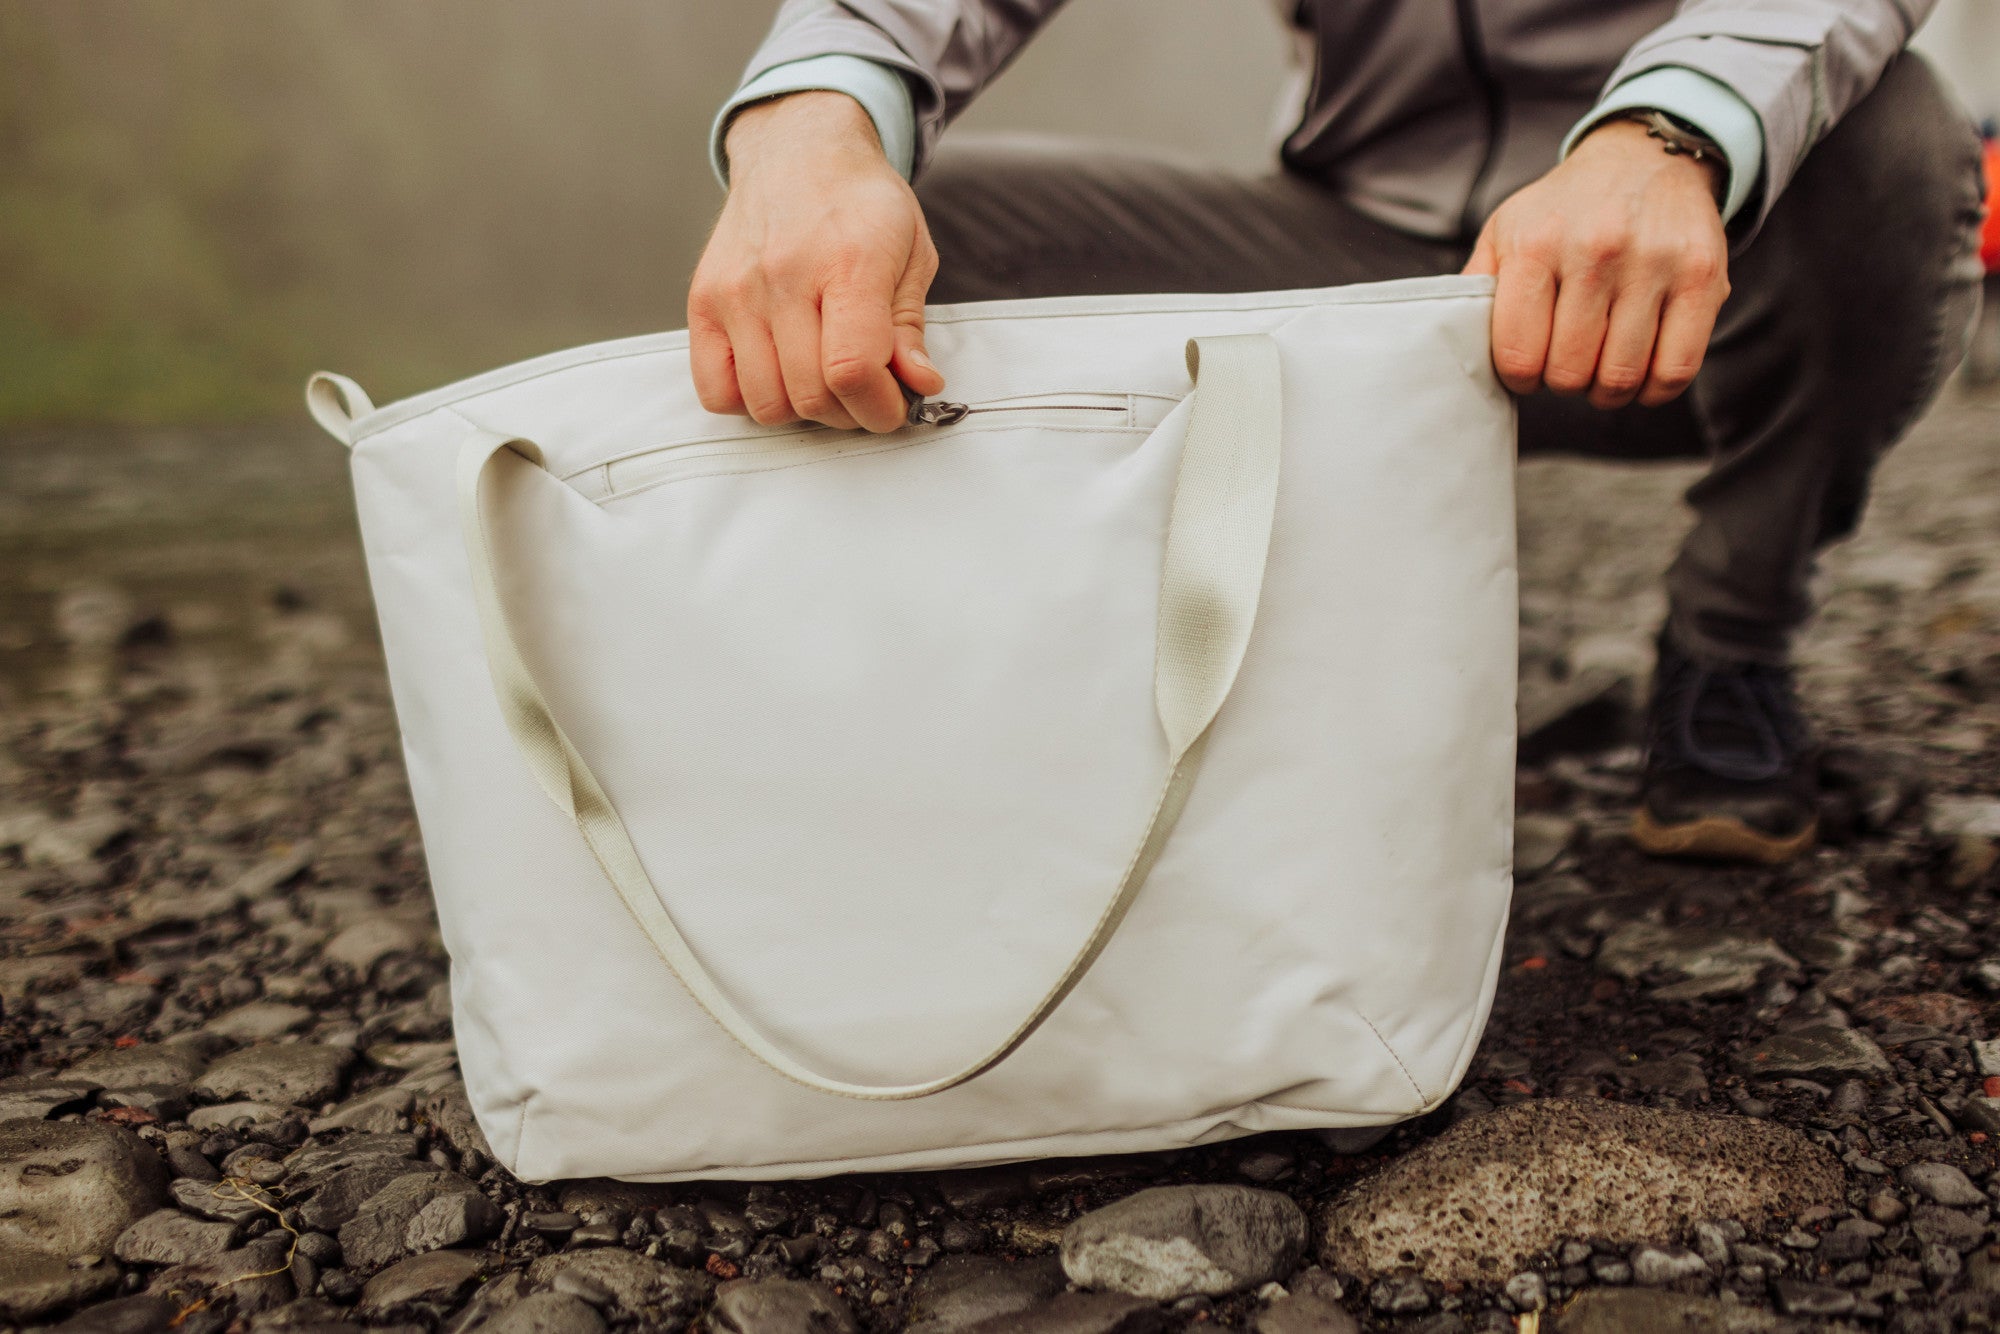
[1472, 44]
[738, 454]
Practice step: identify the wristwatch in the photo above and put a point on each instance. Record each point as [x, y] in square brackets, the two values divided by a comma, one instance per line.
[1675, 135]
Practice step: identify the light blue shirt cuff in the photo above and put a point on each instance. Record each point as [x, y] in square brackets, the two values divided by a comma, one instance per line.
[1711, 106]
[879, 89]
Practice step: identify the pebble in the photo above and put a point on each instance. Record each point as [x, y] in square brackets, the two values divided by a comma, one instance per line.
[224, 1202]
[35, 1283]
[259, 1021]
[657, 1293]
[379, 1112]
[1948, 1227]
[1540, 838]
[784, 1306]
[1657, 1266]
[1818, 1052]
[1797, 1297]
[1177, 1241]
[170, 1237]
[1651, 1311]
[1302, 1314]
[1921, 1009]
[70, 1188]
[383, 1227]
[301, 1074]
[1400, 1294]
[173, 1064]
[1949, 818]
[457, 1218]
[540, 1313]
[223, 1116]
[1941, 1183]
[1068, 1313]
[1476, 1202]
[367, 942]
[1704, 963]
[247, 1274]
[144, 1314]
[1528, 1291]
[435, 1279]
[962, 1290]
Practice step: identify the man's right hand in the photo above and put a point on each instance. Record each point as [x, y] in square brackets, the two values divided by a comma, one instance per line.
[809, 301]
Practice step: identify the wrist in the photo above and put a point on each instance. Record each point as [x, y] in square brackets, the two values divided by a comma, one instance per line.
[819, 124]
[1633, 139]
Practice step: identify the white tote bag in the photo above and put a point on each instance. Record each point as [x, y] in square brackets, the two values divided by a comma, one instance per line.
[1121, 760]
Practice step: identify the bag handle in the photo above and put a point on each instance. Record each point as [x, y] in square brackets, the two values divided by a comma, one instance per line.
[335, 402]
[1217, 538]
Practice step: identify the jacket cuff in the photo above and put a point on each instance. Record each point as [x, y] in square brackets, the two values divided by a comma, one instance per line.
[880, 89]
[1711, 106]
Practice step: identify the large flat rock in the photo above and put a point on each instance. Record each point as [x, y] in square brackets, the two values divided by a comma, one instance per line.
[1476, 1202]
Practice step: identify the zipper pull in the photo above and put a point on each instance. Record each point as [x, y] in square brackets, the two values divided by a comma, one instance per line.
[931, 414]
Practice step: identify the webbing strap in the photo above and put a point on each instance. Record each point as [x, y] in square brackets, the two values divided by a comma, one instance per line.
[1212, 575]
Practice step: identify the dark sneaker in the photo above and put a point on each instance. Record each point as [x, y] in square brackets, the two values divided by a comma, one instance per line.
[1731, 772]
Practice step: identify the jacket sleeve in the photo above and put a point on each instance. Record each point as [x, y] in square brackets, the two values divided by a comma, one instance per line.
[947, 50]
[1799, 64]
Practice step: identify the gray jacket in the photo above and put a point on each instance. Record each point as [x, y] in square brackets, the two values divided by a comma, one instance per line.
[1427, 113]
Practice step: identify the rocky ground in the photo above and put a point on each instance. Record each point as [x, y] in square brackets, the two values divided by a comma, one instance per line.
[1708, 1099]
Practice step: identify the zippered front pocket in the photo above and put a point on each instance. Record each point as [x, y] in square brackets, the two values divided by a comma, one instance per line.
[642, 470]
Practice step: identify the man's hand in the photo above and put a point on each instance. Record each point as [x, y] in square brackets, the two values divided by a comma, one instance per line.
[1610, 270]
[809, 301]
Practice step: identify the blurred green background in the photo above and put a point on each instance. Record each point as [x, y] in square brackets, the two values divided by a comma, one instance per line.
[203, 200]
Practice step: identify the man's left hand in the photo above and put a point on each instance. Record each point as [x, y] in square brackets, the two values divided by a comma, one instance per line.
[1610, 271]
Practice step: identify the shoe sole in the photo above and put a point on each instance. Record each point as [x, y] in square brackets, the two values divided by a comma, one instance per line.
[1719, 838]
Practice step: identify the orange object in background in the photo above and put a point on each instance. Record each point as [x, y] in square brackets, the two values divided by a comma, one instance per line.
[1989, 238]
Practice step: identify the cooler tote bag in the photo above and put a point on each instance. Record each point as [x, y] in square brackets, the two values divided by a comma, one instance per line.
[1118, 757]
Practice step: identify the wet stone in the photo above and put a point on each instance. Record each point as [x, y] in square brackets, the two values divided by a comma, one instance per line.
[221, 1201]
[170, 1237]
[1400, 1294]
[259, 1021]
[379, 1112]
[1176, 1241]
[383, 1228]
[35, 1098]
[1820, 1052]
[1941, 1183]
[1935, 1224]
[1923, 1009]
[1658, 1266]
[539, 1313]
[1699, 962]
[246, 1275]
[1652, 1311]
[35, 1283]
[436, 1279]
[650, 1289]
[70, 1188]
[782, 1306]
[298, 1074]
[125, 1315]
[1797, 1297]
[1076, 1313]
[175, 1064]
[962, 1290]
[224, 1116]
[1476, 1203]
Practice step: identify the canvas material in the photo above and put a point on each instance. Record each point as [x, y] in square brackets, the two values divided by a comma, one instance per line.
[880, 723]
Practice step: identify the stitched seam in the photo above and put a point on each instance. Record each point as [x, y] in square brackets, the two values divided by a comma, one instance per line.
[860, 454]
[1422, 1097]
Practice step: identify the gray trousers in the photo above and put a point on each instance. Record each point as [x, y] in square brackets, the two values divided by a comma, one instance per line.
[1847, 310]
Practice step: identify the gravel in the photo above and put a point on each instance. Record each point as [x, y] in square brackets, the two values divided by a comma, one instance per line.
[218, 958]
